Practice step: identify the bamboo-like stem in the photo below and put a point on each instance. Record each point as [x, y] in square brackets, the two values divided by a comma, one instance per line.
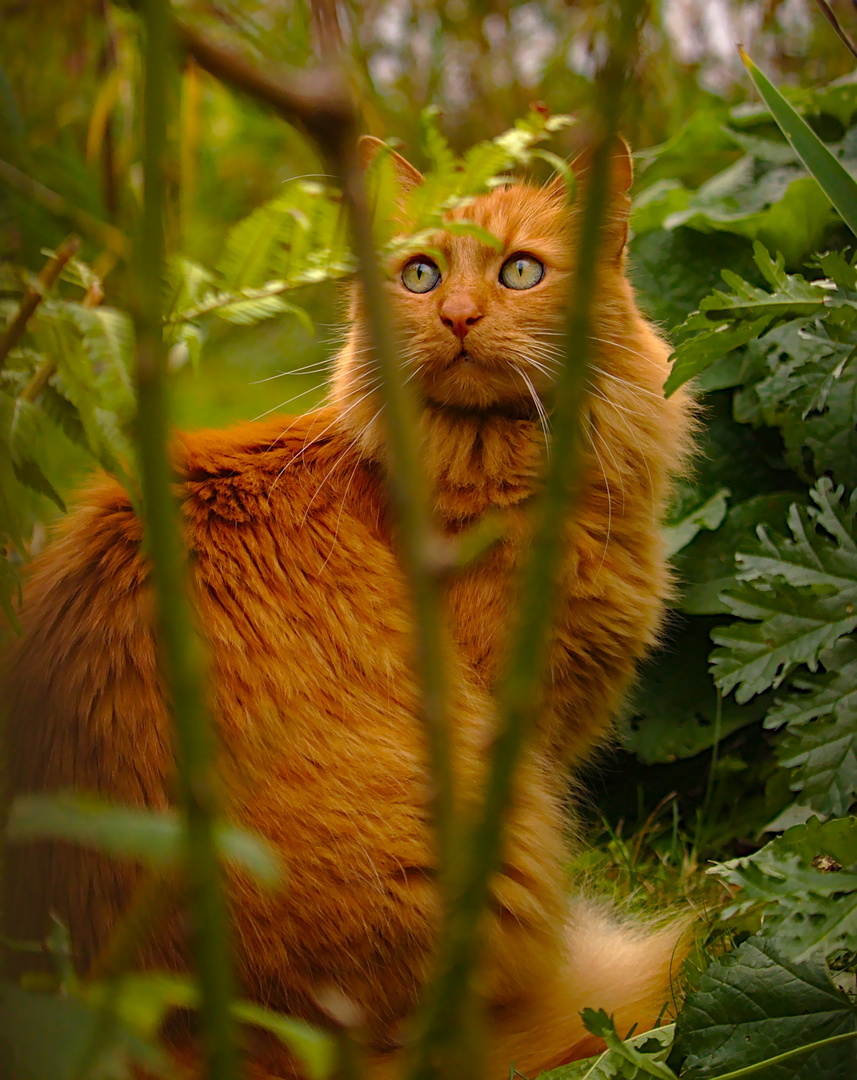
[442, 1046]
[180, 649]
[839, 30]
[35, 294]
[102, 233]
[417, 540]
[319, 103]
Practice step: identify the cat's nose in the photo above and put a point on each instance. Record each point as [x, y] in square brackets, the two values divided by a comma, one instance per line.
[460, 312]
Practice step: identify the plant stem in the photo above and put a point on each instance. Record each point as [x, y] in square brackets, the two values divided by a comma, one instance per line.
[39, 379]
[808, 1048]
[417, 539]
[319, 102]
[449, 996]
[842, 34]
[91, 226]
[35, 294]
[181, 651]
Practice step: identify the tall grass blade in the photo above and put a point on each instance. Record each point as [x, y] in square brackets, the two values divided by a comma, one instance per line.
[832, 177]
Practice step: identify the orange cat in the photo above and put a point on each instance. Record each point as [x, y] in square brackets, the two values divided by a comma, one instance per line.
[304, 605]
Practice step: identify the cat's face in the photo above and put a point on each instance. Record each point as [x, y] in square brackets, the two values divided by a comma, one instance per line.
[481, 327]
[478, 323]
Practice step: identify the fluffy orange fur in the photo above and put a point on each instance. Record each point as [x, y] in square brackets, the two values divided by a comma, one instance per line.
[303, 603]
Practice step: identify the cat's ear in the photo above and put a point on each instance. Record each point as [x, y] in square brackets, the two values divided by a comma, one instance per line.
[368, 147]
[620, 178]
[621, 167]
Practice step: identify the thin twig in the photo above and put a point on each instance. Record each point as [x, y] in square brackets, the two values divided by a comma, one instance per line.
[39, 379]
[319, 102]
[102, 233]
[449, 997]
[35, 294]
[417, 540]
[182, 659]
[841, 33]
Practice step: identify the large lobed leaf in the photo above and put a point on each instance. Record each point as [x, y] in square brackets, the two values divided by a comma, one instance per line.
[758, 1005]
[726, 321]
[805, 884]
[796, 597]
[820, 743]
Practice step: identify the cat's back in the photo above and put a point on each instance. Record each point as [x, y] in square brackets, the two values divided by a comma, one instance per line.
[298, 595]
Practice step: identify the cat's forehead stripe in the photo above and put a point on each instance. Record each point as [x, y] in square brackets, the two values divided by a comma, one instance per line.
[522, 217]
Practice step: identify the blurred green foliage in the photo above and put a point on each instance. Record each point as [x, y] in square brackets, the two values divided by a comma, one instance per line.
[763, 540]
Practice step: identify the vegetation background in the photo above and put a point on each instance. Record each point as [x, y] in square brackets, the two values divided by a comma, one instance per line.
[744, 727]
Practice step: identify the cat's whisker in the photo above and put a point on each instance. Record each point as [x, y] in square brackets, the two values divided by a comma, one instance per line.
[538, 365]
[330, 473]
[622, 345]
[609, 499]
[306, 445]
[319, 365]
[598, 392]
[345, 494]
[643, 457]
[283, 404]
[635, 388]
[619, 471]
[540, 409]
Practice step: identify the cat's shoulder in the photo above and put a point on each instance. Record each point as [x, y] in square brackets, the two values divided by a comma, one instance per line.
[247, 472]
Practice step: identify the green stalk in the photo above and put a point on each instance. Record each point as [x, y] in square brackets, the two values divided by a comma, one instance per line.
[832, 176]
[35, 294]
[319, 103]
[768, 1063]
[180, 649]
[442, 1046]
[417, 538]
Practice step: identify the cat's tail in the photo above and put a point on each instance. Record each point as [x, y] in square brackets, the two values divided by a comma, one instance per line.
[628, 969]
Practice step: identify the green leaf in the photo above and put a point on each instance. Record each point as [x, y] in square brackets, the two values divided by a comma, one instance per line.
[706, 568]
[27, 434]
[727, 320]
[315, 1049]
[155, 837]
[142, 1000]
[673, 708]
[707, 515]
[800, 594]
[756, 1005]
[820, 744]
[839, 186]
[805, 883]
[99, 396]
[638, 1057]
[61, 1038]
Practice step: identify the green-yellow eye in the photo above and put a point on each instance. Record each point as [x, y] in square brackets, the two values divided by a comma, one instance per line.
[420, 275]
[521, 272]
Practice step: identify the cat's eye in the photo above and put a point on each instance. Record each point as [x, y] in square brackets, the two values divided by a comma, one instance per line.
[420, 275]
[521, 272]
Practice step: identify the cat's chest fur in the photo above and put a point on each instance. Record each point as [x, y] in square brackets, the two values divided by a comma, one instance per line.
[478, 465]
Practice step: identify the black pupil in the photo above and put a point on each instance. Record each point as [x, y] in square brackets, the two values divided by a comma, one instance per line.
[520, 266]
[422, 268]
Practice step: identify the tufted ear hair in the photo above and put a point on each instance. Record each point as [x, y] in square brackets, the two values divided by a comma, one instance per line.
[368, 148]
[621, 176]
[621, 169]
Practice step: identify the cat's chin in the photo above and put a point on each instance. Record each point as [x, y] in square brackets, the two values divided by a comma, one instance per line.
[467, 384]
